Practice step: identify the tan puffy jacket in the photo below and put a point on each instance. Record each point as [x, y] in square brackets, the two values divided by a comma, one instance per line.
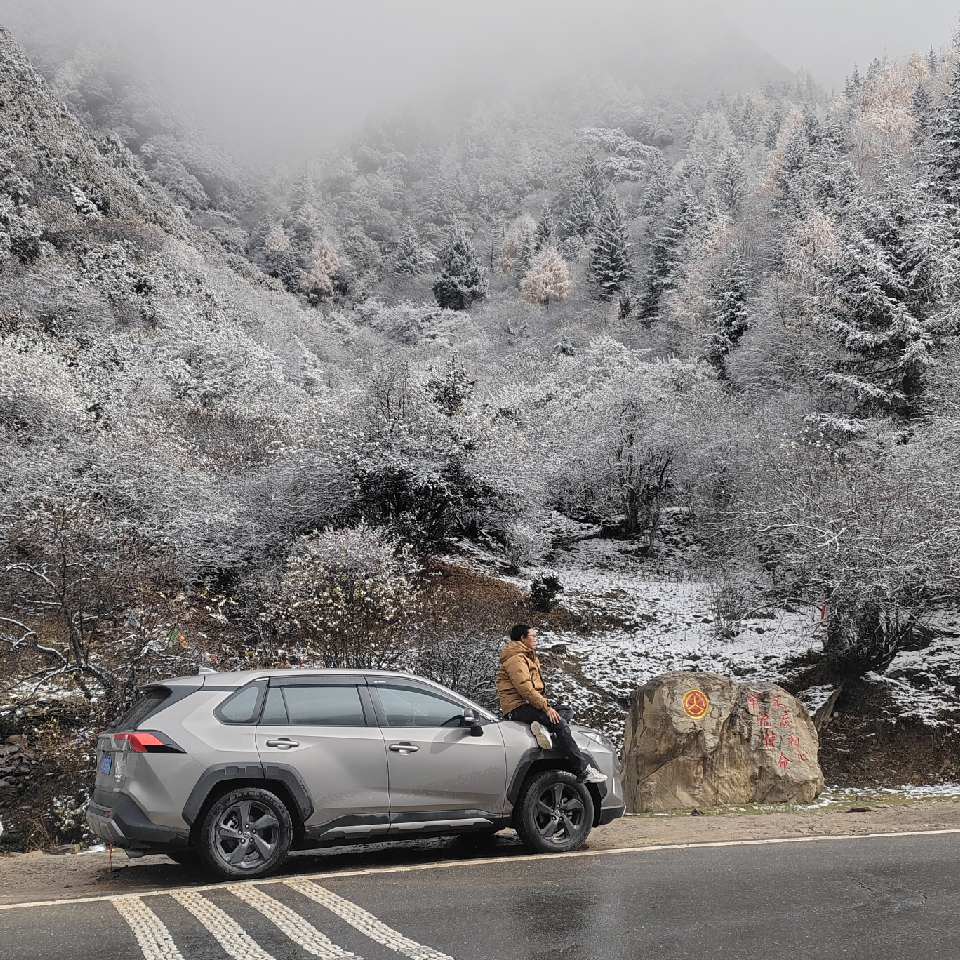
[518, 679]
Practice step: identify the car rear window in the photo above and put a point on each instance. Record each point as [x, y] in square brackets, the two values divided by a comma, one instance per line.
[242, 706]
[148, 702]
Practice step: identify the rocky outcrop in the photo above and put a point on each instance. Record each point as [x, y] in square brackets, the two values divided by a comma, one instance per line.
[700, 739]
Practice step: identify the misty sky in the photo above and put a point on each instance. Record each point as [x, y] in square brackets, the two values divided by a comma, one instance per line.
[279, 66]
[827, 36]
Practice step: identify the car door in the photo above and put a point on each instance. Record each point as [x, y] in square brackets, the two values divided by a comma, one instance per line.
[437, 770]
[325, 728]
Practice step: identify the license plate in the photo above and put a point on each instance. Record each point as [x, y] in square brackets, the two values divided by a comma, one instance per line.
[106, 764]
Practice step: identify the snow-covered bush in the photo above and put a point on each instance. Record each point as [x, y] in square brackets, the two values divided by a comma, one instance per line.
[346, 599]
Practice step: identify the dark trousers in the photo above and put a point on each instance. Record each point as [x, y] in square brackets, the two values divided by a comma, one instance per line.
[563, 738]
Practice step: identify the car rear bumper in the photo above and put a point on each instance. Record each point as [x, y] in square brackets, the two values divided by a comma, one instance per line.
[124, 824]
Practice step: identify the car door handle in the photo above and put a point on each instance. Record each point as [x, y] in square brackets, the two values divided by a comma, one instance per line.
[283, 743]
[403, 747]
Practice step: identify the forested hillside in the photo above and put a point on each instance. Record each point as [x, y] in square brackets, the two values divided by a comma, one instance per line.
[348, 414]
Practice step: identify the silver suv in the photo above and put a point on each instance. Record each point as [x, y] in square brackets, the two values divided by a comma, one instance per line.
[241, 767]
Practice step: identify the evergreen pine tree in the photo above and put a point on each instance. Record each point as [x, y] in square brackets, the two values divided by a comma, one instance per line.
[581, 214]
[610, 266]
[730, 318]
[886, 348]
[462, 279]
[411, 257]
[657, 186]
[890, 282]
[592, 176]
[730, 179]
[923, 112]
[666, 254]
[946, 144]
[526, 240]
[543, 237]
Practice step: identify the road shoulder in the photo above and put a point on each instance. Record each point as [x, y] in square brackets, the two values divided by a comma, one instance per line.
[31, 877]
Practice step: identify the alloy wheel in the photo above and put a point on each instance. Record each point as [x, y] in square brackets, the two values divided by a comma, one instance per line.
[559, 813]
[246, 834]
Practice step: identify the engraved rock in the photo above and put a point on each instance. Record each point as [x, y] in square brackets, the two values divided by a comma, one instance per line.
[701, 739]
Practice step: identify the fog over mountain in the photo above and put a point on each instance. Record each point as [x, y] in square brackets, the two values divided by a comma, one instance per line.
[298, 70]
[294, 75]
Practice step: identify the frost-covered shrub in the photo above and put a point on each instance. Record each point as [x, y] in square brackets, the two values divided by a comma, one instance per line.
[346, 598]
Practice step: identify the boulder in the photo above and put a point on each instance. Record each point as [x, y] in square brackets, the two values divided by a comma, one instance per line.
[701, 739]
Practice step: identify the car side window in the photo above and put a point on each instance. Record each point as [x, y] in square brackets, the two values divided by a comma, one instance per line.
[334, 705]
[411, 707]
[242, 706]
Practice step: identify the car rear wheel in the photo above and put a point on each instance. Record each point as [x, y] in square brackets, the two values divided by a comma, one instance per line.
[246, 833]
[554, 813]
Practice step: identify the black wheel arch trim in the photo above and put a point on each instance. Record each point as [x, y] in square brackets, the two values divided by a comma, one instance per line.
[548, 758]
[266, 772]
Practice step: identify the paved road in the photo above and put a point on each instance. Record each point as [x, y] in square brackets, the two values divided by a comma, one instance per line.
[872, 898]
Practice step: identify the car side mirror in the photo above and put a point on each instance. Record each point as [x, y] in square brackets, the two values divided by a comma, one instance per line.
[471, 720]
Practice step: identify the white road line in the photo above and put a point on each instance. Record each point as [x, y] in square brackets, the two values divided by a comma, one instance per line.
[154, 938]
[289, 922]
[365, 922]
[227, 932]
[481, 862]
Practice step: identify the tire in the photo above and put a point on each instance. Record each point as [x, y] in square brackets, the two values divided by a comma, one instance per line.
[246, 834]
[554, 813]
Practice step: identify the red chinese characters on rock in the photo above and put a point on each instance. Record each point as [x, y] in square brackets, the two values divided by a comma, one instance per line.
[770, 740]
[785, 720]
[763, 720]
[752, 702]
[793, 741]
[783, 761]
[803, 756]
[777, 705]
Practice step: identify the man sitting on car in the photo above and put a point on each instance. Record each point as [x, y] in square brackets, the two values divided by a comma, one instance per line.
[521, 690]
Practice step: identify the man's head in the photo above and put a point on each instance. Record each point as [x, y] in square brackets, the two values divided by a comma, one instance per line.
[525, 634]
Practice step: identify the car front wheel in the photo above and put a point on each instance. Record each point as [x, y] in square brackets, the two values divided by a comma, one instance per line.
[246, 833]
[554, 813]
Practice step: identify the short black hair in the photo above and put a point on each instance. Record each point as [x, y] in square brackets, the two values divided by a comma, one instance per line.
[519, 631]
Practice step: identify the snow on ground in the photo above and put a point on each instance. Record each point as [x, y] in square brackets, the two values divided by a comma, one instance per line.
[648, 618]
[649, 623]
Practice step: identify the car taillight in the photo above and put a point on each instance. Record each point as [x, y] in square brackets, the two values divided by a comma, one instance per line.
[143, 742]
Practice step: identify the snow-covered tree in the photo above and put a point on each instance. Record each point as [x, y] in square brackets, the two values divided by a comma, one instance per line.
[345, 599]
[729, 318]
[581, 212]
[611, 268]
[945, 148]
[276, 240]
[667, 251]
[323, 264]
[543, 236]
[730, 179]
[412, 257]
[547, 279]
[462, 279]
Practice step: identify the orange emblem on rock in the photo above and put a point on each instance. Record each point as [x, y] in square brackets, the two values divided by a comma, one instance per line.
[695, 704]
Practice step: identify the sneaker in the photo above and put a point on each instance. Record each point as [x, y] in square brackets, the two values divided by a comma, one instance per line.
[592, 775]
[543, 735]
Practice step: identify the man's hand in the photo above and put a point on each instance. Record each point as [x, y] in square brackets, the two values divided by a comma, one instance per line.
[552, 715]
